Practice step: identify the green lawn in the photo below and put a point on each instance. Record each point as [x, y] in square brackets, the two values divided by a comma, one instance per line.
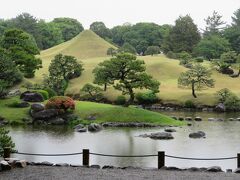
[103, 112]
[12, 114]
[91, 50]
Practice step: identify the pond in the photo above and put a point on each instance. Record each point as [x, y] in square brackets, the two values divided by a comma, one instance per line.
[222, 140]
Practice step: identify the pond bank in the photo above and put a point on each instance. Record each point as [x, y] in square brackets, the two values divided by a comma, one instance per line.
[75, 173]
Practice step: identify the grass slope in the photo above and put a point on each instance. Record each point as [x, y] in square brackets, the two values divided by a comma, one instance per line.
[104, 113]
[91, 50]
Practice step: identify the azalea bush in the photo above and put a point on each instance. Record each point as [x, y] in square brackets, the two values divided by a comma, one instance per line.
[62, 103]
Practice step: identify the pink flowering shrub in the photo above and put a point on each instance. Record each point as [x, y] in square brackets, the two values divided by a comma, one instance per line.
[62, 103]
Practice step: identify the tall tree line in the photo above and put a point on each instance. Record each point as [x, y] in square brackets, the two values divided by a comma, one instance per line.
[46, 34]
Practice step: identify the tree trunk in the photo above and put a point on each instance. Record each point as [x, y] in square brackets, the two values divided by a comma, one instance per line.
[131, 99]
[193, 91]
[105, 87]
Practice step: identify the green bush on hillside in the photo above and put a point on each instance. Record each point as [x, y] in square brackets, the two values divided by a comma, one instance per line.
[147, 98]
[121, 100]
[51, 92]
[189, 104]
[171, 55]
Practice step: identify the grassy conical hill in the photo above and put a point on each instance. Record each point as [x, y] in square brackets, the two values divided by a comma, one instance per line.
[86, 45]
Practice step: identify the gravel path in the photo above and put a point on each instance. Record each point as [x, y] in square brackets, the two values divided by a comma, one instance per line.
[80, 173]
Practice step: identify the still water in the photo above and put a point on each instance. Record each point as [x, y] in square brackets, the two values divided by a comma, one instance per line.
[222, 140]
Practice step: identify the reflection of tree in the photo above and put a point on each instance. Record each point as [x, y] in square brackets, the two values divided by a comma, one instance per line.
[65, 132]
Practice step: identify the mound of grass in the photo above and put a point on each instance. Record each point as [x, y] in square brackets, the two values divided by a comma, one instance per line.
[13, 115]
[112, 113]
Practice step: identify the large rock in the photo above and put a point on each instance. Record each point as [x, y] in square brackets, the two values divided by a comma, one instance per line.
[93, 127]
[36, 107]
[159, 135]
[21, 163]
[220, 108]
[31, 97]
[198, 119]
[188, 118]
[57, 121]
[214, 169]
[237, 170]
[45, 114]
[80, 128]
[199, 134]
[5, 165]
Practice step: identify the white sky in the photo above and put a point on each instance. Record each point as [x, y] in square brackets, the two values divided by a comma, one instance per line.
[117, 12]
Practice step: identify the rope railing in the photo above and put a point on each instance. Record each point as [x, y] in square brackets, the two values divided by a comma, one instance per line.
[161, 156]
[133, 156]
[201, 159]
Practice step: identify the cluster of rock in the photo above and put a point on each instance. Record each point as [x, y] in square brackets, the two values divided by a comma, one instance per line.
[200, 119]
[93, 127]
[167, 135]
[9, 163]
[172, 107]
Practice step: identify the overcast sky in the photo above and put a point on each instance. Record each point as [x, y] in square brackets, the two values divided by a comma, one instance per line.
[116, 12]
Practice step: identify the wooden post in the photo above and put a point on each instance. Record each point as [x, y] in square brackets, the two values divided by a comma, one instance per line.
[6, 152]
[85, 157]
[238, 160]
[161, 159]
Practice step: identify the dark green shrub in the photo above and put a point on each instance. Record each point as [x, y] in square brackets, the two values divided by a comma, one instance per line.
[121, 100]
[90, 92]
[189, 104]
[199, 59]
[184, 55]
[171, 55]
[223, 95]
[5, 140]
[51, 92]
[232, 103]
[44, 93]
[147, 98]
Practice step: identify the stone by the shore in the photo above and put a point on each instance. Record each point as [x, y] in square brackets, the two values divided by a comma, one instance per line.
[199, 134]
[158, 136]
[93, 127]
[45, 114]
[62, 164]
[220, 108]
[214, 169]
[5, 165]
[36, 107]
[188, 118]
[21, 163]
[170, 130]
[57, 121]
[237, 170]
[198, 119]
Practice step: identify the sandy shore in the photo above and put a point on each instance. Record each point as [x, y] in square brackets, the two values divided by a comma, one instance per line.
[81, 173]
